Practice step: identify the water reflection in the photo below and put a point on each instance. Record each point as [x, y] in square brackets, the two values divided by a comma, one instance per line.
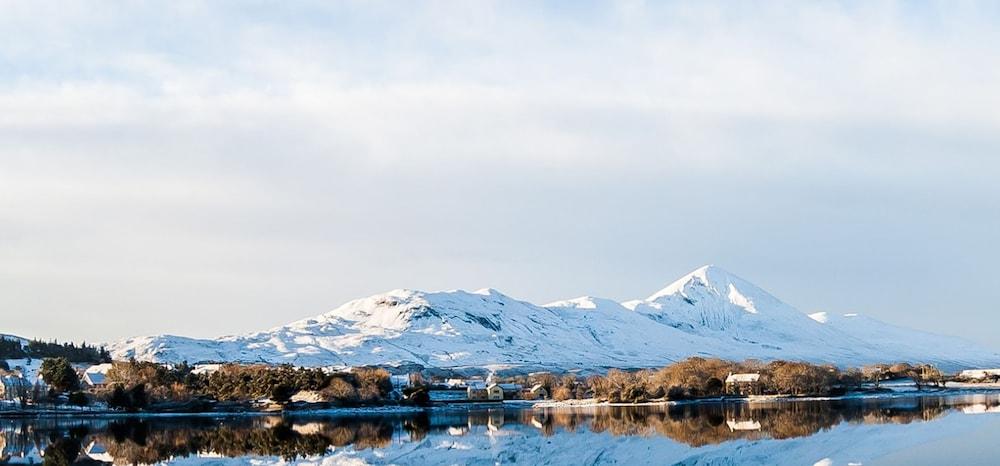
[153, 440]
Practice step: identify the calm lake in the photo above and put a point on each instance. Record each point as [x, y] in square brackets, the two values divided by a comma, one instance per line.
[955, 429]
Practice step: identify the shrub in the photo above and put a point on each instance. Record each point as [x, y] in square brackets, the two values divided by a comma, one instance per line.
[78, 399]
[340, 390]
[562, 393]
[372, 383]
[281, 392]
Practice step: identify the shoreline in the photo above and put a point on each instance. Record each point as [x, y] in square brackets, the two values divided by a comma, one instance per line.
[954, 390]
[965, 389]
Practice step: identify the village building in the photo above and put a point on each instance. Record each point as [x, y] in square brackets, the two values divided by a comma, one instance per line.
[13, 386]
[205, 369]
[492, 391]
[743, 384]
[456, 383]
[980, 374]
[495, 392]
[96, 376]
[511, 391]
[476, 390]
[537, 392]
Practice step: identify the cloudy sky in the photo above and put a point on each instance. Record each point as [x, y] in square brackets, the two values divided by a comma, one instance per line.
[206, 169]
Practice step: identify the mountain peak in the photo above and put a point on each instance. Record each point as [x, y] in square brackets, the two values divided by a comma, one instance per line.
[709, 312]
[711, 276]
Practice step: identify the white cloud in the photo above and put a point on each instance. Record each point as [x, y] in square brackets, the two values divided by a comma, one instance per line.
[328, 151]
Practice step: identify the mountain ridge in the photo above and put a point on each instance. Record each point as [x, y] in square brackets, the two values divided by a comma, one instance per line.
[708, 312]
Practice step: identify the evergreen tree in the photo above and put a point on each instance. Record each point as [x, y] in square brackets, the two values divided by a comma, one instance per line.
[59, 374]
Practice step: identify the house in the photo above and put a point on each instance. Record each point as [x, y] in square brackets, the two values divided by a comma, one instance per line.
[495, 392]
[980, 374]
[455, 383]
[205, 369]
[96, 376]
[476, 391]
[743, 384]
[13, 386]
[511, 390]
[538, 392]
[483, 391]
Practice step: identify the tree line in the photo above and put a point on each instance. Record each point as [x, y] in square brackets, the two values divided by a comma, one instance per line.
[37, 349]
[135, 385]
[699, 377]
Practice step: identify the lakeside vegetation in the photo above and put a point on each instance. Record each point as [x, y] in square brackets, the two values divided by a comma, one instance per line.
[144, 386]
[135, 385]
[696, 377]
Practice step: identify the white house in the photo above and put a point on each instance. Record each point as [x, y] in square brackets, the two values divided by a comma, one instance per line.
[12, 385]
[205, 369]
[742, 384]
[96, 376]
[538, 392]
[979, 374]
[494, 392]
[455, 383]
[511, 390]
[476, 390]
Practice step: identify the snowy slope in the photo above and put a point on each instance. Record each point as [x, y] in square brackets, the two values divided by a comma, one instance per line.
[899, 343]
[716, 304]
[709, 312]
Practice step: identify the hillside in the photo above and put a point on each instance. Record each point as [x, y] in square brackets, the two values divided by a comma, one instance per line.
[709, 312]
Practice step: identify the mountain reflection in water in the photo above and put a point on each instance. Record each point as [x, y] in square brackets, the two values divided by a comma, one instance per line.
[157, 439]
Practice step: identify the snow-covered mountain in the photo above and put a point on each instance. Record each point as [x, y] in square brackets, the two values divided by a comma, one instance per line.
[709, 312]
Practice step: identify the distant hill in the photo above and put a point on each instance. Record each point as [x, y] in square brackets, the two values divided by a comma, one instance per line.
[709, 312]
[15, 347]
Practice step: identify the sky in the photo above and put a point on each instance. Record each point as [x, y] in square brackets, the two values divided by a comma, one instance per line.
[216, 168]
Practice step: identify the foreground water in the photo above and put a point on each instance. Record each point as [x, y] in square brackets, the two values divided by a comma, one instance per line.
[955, 429]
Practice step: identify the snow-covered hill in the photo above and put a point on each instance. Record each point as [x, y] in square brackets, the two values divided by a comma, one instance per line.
[709, 312]
[23, 341]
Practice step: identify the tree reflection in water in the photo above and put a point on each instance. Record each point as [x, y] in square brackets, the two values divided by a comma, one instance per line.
[152, 440]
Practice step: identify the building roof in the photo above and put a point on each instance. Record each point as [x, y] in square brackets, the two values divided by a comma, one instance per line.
[979, 373]
[738, 378]
[537, 387]
[455, 382]
[96, 374]
[205, 368]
